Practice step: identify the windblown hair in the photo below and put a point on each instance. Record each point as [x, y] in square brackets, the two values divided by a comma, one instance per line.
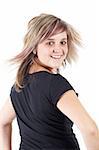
[39, 29]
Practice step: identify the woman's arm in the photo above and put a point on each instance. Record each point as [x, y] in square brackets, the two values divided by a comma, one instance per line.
[7, 114]
[70, 105]
[5, 137]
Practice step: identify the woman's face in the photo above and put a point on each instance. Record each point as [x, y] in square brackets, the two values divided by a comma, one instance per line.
[53, 50]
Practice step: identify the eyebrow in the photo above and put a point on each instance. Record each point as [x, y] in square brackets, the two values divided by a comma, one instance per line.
[61, 39]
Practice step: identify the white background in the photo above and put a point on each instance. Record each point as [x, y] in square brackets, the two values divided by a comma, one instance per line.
[83, 75]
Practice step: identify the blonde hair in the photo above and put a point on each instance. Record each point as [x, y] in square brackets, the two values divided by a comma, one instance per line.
[39, 29]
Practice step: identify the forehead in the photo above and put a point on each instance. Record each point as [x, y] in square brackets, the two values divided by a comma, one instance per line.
[62, 35]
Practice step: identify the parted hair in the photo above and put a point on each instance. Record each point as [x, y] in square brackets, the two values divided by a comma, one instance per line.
[39, 29]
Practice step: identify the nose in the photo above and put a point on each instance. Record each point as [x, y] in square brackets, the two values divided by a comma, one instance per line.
[57, 49]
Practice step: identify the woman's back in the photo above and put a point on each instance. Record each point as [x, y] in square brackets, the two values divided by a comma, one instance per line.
[42, 125]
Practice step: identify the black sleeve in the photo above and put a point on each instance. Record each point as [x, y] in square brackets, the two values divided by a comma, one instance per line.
[58, 86]
[12, 98]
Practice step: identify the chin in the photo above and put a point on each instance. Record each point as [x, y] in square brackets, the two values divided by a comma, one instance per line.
[57, 66]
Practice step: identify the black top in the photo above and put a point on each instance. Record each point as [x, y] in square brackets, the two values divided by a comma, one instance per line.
[42, 125]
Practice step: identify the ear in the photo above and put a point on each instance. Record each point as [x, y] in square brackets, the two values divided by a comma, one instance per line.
[34, 52]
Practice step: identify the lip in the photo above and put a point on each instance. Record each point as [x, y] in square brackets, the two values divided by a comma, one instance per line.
[56, 56]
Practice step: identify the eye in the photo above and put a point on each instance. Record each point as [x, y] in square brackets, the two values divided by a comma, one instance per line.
[63, 42]
[50, 43]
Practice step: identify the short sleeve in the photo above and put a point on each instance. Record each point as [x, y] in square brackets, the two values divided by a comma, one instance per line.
[13, 99]
[58, 86]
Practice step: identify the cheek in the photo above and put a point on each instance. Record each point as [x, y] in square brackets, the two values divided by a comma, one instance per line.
[43, 52]
[66, 51]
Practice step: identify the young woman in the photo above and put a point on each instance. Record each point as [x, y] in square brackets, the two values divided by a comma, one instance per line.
[44, 102]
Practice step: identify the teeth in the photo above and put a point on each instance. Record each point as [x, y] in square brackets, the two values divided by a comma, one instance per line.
[56, 56]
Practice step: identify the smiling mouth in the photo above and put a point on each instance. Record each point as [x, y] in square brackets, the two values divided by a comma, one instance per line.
[56, 56]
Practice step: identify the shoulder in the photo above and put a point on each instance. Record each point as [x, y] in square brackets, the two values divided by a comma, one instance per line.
[59, 81]
[58, 86]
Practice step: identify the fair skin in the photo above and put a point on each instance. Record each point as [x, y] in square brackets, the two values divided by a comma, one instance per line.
[47, 57]
[69, 103]
[58, 43]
